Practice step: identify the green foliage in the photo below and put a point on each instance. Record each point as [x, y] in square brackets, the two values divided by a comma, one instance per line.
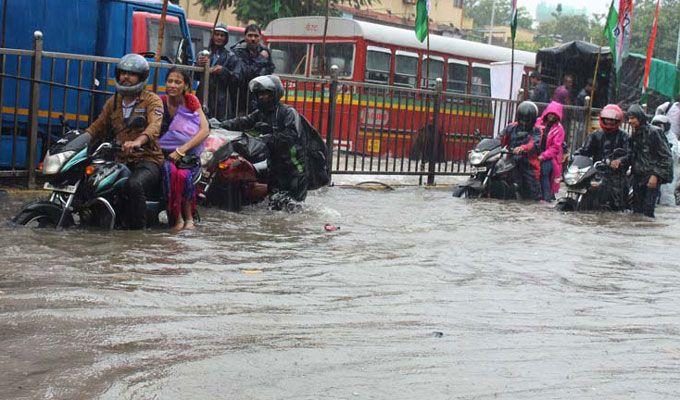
[262, 12]
[667, 33]
[480, 12]
[565, 28]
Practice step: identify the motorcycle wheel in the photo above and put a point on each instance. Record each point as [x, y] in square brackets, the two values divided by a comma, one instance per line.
[460, 191]
[41, 219]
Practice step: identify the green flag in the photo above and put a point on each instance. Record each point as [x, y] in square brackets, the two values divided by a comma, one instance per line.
[610, 30]
[422, 29]
[277, 6]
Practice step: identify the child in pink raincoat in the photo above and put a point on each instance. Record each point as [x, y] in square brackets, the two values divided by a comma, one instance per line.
[550, 150]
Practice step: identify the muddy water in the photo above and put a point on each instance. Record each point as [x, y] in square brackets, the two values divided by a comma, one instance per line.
[417, 296]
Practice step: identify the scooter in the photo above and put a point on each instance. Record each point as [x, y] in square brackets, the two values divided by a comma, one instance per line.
[492, 172]
[235, 170]
[585, 180]
[85, 185]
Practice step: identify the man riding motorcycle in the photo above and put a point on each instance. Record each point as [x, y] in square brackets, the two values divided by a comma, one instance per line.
[279, 126]
[599, 145]
[132, 117]
[521, 138]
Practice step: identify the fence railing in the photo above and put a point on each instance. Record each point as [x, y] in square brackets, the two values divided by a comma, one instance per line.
[369, 128]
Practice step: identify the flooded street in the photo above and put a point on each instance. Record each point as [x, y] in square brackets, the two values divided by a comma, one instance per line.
[417, 296]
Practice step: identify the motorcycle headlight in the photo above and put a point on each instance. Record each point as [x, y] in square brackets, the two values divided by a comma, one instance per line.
[476, 157]
[574, 174]
[53, 162]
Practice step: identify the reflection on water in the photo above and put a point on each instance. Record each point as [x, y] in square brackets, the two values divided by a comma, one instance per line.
[417, 296]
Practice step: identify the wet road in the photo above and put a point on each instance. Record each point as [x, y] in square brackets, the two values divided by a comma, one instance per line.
[417, 296]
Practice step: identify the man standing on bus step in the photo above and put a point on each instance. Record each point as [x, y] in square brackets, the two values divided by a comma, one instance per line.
[255, 60]
[225, 73]
[132, 118]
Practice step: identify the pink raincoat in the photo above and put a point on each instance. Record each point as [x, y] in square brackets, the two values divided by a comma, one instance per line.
[553, 148]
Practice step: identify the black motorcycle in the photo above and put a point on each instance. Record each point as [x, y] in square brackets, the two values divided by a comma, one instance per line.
[595, 185]
[493, 168]
[86, 183]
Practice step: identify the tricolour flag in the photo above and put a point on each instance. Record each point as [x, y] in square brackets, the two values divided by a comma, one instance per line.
[422, 19]
[609, 32]
[650, 49]
[513, 19]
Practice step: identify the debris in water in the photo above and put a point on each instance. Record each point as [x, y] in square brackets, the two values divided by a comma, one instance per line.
[437, 334]
[253, 271]
[331, 228]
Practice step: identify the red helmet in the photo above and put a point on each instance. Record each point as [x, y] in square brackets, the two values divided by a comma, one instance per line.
[611, 117]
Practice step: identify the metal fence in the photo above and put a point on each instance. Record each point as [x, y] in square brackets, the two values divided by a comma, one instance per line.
[369, 128]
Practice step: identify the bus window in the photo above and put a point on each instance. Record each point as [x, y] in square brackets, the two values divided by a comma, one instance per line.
[406, 69]
[378, 65]
[234, 37]
[433, 68]
[456, 77]
[200, 37]
[340, 54]
[481, 80]
[289, 58]
[171, 38]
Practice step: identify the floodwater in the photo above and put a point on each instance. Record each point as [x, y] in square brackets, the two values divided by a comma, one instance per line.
[416, 296]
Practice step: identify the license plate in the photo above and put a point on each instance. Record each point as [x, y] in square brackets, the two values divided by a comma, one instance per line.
[64, 189]
[479, 169]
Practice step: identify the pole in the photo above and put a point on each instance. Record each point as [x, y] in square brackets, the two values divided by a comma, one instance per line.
[35, 106]
[217, 18]
[589, 104]
[493, 15]
[677, 50]
[427, 64]
[159, 47]
[322, 55]
[512, 67]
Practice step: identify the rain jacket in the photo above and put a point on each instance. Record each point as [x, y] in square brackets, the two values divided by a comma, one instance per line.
[600, 144]
[252, 65]
[513, 136]
[220, 83]
[651, 155]
[555, 138]
[668, 190]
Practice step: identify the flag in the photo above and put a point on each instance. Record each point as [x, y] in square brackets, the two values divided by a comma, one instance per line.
[612, 23]
[422, 19]
[650, 49]
[277, 6]
[513, 19]
[623, 31]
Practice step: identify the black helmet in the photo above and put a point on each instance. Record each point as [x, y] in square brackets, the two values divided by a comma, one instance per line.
[526, 114]
[134, 64]
[636, 111]
[662, 122]
[267, 83]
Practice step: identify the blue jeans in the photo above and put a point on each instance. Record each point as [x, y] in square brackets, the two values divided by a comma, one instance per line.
[546, 181]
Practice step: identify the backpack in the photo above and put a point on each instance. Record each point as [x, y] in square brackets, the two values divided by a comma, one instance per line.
[316, 168]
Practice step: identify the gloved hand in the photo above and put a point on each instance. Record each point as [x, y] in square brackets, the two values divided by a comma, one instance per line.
[228, 125]
[263, 128]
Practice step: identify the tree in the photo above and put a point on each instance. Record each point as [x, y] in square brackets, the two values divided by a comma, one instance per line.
[262, 12]
[565, 28]
[667, 33]
[480, 12]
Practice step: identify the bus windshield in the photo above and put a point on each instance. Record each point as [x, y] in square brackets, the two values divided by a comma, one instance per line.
[289, 58]
[172, 37]
[340, 54]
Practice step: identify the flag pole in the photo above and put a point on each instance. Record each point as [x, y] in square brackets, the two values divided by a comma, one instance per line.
[597, 67]
[159, 48]
[512, 67]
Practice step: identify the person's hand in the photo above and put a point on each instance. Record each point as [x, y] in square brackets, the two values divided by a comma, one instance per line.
[175, 156]
[202, 61]
[131, 145]
[540, 158]
[216, 69]
[653, 182]
[517, 150]
[615, 164]
[264, 53]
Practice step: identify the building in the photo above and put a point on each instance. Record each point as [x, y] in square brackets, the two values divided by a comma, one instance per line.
[446, 16]
[501, 35]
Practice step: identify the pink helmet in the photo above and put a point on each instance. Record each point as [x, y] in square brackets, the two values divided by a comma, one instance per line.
[613, 116]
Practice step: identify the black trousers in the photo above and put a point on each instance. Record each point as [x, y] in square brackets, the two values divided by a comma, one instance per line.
[644, 198]
[143, 183]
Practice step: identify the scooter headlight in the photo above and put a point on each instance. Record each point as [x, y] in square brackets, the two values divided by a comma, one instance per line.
[206, 157]
[574, 174]
[476, 157]
[53, 162]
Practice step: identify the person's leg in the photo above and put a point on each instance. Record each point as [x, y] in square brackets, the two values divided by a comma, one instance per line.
[531, 187]
[649, 202]
[142, 183]
[638, 197]
[188, 213]
[546, 180]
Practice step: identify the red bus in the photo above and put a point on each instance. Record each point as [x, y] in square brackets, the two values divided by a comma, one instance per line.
[387, 55]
